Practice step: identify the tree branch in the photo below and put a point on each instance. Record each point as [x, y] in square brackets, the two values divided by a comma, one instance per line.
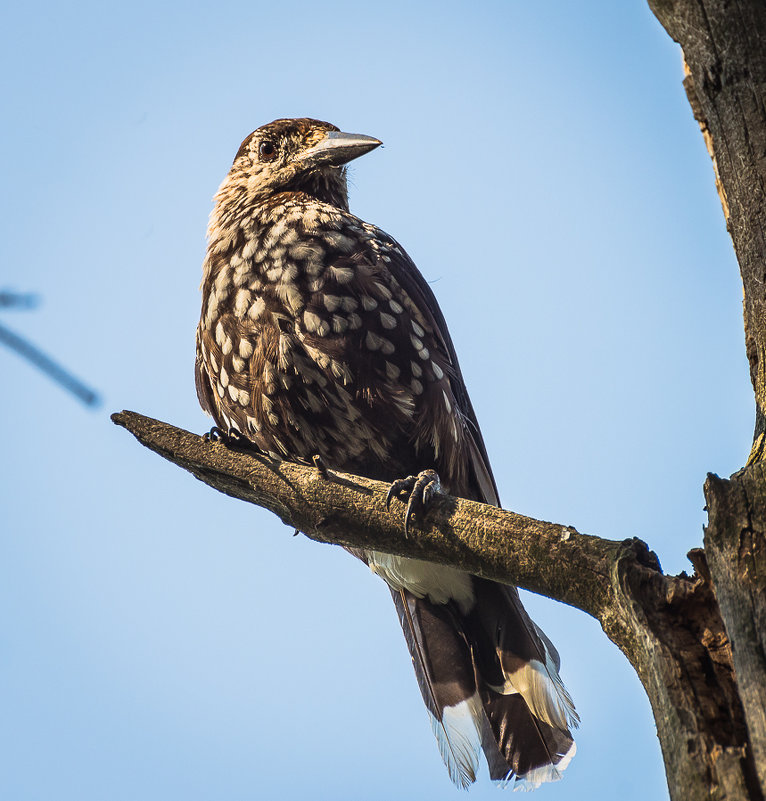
[546, 558]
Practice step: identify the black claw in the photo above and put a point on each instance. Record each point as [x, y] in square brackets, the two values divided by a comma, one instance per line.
[419, 491]
[230, 438]
[214, 435]
[402, 486]
[409, 514]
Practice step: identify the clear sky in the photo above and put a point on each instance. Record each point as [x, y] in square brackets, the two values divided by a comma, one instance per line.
[541, 165]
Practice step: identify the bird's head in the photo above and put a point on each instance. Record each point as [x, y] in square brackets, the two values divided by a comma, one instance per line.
[299, 155]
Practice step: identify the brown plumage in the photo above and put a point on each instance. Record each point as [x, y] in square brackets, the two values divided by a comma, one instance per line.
[318, 336]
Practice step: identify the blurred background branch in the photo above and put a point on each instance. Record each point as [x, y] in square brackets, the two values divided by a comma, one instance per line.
[18, 300]
[36, 357]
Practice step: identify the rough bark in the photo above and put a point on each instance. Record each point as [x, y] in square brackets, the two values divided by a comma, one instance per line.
[724, 49]
[332, 507]
[735, 544]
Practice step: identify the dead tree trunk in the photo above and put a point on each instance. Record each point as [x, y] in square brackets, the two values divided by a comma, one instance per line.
[724, 49]
[696, 643]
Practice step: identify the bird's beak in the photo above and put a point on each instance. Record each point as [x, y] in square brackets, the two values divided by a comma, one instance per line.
[338, 148]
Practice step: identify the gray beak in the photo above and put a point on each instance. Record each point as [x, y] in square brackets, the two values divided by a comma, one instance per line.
[339, 148]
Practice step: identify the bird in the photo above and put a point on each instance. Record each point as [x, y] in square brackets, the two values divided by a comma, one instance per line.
[320, 339]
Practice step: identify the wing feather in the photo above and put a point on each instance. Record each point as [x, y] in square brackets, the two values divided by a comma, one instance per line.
[414, 284]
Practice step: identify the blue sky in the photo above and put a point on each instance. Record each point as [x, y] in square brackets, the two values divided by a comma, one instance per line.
[542, 167]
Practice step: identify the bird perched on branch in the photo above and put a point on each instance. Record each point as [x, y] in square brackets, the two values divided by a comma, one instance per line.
[319, 337]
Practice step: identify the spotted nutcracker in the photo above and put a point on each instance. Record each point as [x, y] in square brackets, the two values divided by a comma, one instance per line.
[319, 337]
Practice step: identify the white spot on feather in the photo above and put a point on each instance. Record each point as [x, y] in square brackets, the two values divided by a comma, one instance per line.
[339, 324]
[292, 296]
[257, 309]
[307, 251]
[289, 273]
[242, 302]
[387, 321]
[392, 371]
[220, 334]
[312, 321]
[343, 275]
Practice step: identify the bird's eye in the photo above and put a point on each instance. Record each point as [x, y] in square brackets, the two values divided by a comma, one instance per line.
[267, 151]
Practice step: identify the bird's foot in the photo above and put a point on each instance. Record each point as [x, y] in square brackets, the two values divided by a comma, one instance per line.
[419, 491]
[232, 437]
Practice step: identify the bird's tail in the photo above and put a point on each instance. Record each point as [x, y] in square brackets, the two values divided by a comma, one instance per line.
[489, 678]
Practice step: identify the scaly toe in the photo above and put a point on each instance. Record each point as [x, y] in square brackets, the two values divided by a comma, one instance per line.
[401, 486]
[420, 489]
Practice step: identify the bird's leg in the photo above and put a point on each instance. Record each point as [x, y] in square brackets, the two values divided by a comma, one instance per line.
[419, 491]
